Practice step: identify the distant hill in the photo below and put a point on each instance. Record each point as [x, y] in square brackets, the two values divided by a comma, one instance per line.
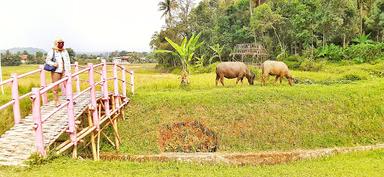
[30, 50]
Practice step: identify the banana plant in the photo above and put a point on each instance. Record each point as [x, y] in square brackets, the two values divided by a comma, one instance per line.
[218, 50]
[185, 51]
[200, 61]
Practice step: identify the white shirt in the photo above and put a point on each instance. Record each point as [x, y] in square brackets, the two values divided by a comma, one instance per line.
[62, 60]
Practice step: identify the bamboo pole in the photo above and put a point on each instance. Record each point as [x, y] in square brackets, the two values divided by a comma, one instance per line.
[109, 140]
[74, 152]
[90, 124]
[117, 136]
[98, 145]
[114, 123]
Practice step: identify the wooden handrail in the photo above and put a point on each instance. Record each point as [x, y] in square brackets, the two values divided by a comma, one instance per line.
[79, 72]
[51, 85]
[28, 73]
[7, 104]
[38, 96]
[6, 81]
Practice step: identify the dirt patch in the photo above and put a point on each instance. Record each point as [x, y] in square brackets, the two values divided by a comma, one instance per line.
[261, 158]
[187, 137]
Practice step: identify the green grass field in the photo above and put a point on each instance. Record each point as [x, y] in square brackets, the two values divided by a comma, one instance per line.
[334, 111]
[352, 164]
[342, 105]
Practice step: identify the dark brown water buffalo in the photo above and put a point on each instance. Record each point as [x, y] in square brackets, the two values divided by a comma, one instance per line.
[231, 70]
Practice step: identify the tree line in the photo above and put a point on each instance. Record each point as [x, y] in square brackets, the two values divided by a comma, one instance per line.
[15, 59]
[330, 29]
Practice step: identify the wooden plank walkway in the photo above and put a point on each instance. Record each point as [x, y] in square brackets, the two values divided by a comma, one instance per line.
[18, 143]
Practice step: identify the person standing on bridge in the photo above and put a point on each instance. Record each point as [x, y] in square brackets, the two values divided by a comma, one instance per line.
[59, 58]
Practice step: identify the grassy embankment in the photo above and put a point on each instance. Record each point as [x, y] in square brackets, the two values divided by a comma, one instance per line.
[337, 110]
[342, 108]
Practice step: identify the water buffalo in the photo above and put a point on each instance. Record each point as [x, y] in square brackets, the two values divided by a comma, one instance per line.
[275, 68]
[231, 70]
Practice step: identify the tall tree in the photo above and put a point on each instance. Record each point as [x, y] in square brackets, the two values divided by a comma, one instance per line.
[167, 7]
[264, 20]
[10, 59]
[375, 22]
[364, 7]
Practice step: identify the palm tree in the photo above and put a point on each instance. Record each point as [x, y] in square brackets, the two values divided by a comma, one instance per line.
[167, 7]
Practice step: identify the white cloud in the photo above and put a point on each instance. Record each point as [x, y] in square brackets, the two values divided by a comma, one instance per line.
[85, 25]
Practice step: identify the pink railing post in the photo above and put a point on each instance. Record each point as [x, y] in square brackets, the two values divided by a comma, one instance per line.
[63, 90]
[77, 78]
[105, 87]
[43, 83]
[124, 89]
[36, 115]
[116, 85]
[70, 109]
[95, 114]
[132, 82]
[15, 97]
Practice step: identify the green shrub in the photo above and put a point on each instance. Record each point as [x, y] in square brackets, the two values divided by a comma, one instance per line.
[200, 69]
[293, 61]
[353, 77]
[10, 60]
[311, 65]
[365, 52]
[331, 52]
[204, 69]
[176, 71]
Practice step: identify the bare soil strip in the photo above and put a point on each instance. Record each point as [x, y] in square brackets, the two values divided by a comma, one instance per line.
[260, 158]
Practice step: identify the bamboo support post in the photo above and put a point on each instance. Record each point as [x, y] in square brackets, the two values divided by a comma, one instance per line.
[90, 124]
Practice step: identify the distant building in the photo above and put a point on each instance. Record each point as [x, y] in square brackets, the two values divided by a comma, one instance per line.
[122, 60]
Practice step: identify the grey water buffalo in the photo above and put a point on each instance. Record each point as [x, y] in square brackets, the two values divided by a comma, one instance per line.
[231, 70]
[275, 68]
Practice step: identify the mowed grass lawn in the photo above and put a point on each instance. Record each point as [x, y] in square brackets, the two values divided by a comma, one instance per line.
[352, 164]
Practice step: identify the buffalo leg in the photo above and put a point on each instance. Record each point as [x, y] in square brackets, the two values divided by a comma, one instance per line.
[289, 80]
[276, 78]
[237, 80]
[264, 78]
[217, 79]
[222, 80]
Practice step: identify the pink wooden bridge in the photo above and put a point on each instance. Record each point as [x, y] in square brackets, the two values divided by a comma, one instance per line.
[78, 122]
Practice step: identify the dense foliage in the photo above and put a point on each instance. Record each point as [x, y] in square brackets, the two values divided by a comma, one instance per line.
[9, 59]
[331, 29]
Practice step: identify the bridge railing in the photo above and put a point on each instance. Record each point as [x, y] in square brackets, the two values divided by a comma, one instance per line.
[15, 99]
[36, 114]
[39, 96]
[14, 82]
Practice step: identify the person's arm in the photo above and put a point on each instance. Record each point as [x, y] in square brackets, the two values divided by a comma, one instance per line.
[48, 60]
[67, 62]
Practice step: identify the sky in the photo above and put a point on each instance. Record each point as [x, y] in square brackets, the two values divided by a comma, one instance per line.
[84, 25]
